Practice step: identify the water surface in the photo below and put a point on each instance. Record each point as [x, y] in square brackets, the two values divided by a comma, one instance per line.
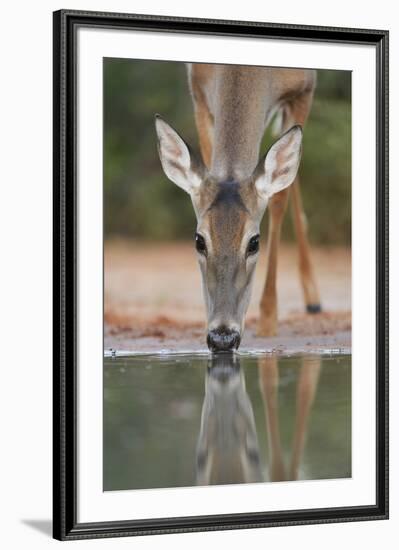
[179, 421]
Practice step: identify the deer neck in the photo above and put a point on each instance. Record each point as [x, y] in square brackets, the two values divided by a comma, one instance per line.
[241, 106]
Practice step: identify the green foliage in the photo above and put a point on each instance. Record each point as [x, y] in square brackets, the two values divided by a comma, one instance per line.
[326, 171]
[140, 202]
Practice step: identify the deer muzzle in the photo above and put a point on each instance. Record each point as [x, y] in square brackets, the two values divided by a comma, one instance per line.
[223, 339]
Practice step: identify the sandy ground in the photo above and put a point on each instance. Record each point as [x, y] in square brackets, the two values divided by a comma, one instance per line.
[153, 300]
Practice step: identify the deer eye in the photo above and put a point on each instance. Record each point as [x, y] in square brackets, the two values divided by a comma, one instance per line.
[253, 245]
[200, 244]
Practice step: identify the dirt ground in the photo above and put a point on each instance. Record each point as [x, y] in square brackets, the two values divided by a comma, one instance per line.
[153, 300]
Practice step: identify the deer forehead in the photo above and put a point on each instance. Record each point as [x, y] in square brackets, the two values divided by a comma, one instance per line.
[228, 215]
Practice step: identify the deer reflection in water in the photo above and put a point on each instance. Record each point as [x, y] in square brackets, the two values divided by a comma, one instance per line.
[228, 448]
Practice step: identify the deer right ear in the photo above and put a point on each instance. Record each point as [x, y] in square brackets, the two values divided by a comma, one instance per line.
[176, 159]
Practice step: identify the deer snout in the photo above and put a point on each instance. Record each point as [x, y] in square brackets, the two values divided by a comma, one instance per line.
[223, 339]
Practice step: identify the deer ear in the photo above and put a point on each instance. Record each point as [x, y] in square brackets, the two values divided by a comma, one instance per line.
[176, 158]
[277, 170]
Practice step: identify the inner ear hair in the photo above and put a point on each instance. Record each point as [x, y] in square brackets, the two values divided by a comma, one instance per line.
[284, 140]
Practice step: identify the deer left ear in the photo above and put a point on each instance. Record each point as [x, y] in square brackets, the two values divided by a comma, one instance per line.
[277, 170]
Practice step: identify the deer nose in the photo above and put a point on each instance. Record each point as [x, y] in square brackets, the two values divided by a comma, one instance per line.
[223, 339]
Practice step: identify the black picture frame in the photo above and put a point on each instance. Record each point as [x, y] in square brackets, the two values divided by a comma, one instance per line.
[65, 525]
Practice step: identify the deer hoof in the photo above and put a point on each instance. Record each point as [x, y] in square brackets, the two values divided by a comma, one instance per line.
[313, 308]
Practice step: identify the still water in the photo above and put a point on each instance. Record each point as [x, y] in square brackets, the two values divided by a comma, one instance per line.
[183, 420]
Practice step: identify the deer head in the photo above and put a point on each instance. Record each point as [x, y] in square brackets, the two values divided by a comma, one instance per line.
[229, 211]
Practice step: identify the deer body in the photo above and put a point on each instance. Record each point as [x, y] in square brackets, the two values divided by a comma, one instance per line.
[230, 187]
[241, 102]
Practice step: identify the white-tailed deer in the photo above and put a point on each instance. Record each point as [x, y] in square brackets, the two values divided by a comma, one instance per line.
[230, 187]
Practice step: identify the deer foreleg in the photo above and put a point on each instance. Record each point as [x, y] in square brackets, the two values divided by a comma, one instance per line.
[267, 325]
[306, 272]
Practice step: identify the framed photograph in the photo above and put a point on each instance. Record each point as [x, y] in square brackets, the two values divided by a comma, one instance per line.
[220, 274]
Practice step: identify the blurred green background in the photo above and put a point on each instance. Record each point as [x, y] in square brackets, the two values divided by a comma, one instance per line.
[140, 202]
